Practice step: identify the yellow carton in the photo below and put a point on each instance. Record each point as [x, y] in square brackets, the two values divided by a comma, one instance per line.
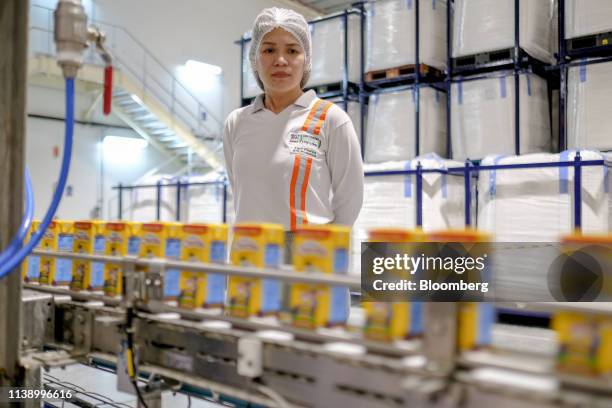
[598, 247]
[256, 245]
[117, 238]
[322, 249]
[49, 242]
[31, 265]
[585, 343]
[47, 263]
[392, 321]
[134, 235]
[88, 239]
[152, 240]
[206, 243]
[475, 320]
[172, 250]
[65, 240]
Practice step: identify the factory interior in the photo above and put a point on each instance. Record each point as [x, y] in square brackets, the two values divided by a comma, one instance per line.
[306, 203]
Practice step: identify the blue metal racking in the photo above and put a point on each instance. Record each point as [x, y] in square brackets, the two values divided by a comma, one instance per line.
[179, 185]
[411, 81]
[471, 169]
[519, 62]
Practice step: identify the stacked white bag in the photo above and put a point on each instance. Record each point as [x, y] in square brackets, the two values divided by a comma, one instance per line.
[328, 50]
[354, 111]
[483, 117]
[589, 111]
[391, 133]
[204, 203]
[143, 201]
[586, 17]
[390, 33]
[390, 201]
[534, 207]
[488, 25]
[537, 204]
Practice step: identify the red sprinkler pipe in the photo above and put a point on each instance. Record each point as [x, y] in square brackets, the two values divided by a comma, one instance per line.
[108, 89]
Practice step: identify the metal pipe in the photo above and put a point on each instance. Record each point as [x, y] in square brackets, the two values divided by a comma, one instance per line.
[345, 72]
[563, 107]
[402, 172]
[224, 203]
[189, 184]
[449, 74]
[242, 41]
[75, 295]
[476, 168]
[419, 195]
[577, 192]
[517, 91]
[468, 194]
[13, 79]
[158, 201]
[362, 111]
[120, 212]
[417, 80]
[178, 201]
[287, 275]
[561, 28]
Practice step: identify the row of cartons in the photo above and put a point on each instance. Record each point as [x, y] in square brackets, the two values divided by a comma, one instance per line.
[322, 249]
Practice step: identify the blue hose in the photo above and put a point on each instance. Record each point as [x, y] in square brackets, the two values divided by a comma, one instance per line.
[18, 257]
[26, 222]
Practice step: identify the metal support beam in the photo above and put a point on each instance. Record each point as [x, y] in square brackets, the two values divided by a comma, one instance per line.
[13, 73]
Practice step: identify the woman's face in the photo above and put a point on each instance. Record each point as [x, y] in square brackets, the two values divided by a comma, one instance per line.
[280, 61]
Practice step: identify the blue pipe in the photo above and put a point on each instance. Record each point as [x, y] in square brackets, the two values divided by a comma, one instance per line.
[468, 194]
[16, 243]
[577, 192]
[12, 263]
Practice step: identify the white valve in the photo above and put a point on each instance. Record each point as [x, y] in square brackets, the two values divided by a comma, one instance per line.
[72, 35]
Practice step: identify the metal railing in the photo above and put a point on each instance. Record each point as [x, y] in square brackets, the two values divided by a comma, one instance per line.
[470, 169]
[180, 186]
[132, 57]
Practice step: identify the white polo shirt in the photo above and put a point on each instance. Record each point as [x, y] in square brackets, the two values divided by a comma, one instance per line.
[300, 166]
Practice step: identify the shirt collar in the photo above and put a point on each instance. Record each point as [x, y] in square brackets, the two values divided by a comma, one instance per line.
[304, 101]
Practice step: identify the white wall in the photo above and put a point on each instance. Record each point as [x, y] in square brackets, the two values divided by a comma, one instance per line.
[91, 174]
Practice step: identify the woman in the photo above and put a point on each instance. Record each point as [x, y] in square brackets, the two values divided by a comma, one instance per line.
[291, 157]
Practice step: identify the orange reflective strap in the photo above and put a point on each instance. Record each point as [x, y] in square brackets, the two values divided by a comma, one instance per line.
[294, 176]
[303, 165]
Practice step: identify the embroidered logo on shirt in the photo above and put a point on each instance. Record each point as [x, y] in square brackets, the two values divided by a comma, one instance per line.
[304, 143]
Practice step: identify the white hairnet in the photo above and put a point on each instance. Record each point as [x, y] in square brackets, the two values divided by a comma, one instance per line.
[288, 20]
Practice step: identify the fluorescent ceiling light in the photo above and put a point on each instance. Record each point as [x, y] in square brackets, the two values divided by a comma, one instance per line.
[122, 151]
[121, 143]
[197, 67]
